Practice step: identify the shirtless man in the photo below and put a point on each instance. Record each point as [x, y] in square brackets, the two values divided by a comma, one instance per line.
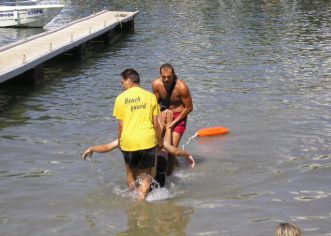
[173, 94]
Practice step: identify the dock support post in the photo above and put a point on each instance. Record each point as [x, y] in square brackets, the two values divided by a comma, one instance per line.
[80, 51]
[107, 37]
[128, 27]
[35, 75]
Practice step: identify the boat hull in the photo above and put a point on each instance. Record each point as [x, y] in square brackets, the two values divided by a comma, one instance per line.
[28, 16]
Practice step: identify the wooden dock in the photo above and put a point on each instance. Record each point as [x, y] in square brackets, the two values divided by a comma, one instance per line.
[27, 56]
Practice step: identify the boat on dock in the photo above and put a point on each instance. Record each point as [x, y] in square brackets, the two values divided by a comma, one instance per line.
[27, 13]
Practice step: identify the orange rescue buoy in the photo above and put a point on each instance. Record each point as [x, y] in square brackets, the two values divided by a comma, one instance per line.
[219, 130]
[212, 131]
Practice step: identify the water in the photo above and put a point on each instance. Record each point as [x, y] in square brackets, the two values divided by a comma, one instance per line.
[259, 68]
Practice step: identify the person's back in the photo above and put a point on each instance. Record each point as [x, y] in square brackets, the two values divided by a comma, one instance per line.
[136, 111]
[287, 229]
[135, 106]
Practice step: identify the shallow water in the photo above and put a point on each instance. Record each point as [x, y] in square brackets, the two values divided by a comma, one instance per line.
[259, 68]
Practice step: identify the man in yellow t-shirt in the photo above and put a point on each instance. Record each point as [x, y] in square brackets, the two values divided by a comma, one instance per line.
[139, 134]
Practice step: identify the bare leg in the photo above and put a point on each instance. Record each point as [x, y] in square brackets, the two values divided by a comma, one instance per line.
[176, 137]
[172, 160]
[146, 180]
[162, 120]
[131, 176]
[168, 120]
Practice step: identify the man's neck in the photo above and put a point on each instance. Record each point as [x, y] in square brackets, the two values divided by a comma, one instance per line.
[134, 86]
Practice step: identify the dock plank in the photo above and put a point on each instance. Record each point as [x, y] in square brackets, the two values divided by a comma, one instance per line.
[18, 57]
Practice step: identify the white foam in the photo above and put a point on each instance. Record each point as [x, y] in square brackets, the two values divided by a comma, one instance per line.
[159, 194]
[122, 192]
[184, 175]
[156, 194]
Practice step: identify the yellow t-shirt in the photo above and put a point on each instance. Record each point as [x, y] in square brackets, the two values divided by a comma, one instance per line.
[136, 107]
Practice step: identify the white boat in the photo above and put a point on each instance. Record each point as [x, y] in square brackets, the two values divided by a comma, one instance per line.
[28, 14]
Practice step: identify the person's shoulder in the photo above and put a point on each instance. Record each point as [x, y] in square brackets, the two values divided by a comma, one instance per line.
[180, 81]
[122, 93]
[181, 84]
[144, 91]
[150, 95]
[157, 82]
[157, 79]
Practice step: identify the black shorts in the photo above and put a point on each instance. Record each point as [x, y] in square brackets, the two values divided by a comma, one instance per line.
[140, 159]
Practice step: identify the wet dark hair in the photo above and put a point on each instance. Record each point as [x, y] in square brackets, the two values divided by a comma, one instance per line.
[168, 66]
[131, 74]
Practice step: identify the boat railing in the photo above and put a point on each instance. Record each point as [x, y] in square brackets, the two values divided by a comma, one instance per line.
[18, 3]
[25, 3]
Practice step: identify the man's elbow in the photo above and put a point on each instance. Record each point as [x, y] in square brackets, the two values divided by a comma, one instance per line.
[189, 109]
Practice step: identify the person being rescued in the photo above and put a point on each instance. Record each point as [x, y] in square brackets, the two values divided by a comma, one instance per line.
[163, 167]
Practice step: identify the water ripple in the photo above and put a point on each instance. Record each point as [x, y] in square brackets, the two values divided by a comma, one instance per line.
[307, 195]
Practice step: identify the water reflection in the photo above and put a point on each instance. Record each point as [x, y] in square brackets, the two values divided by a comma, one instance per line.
[9, 35]
[260, 68]
[157, 219]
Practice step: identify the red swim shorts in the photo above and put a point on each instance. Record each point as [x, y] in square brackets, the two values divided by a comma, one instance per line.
[181, 126]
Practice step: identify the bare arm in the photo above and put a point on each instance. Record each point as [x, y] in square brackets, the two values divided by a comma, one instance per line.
[100, 148]
[187, 102]
[155, 88]
[119, 132]
[158, 131]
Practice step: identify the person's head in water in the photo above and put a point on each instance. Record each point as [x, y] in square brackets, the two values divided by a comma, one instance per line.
[130, 78]
[167, 74]
[287, 229]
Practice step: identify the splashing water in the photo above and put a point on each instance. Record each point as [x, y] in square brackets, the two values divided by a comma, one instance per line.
[156, 194]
